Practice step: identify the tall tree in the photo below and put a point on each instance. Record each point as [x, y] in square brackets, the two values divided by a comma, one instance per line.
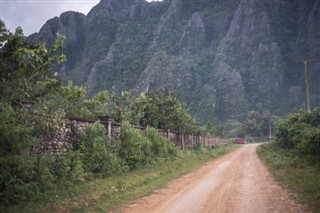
[164, 111]
[24, 65]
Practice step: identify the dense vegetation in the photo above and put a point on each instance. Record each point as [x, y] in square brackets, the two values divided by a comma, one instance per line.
[107, 194]
[34, 104]
[300, 133]
[294, 157]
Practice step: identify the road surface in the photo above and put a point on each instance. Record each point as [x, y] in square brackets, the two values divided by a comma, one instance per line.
[236, 182]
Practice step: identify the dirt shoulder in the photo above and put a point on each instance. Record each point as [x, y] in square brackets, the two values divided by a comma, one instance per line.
[236, 182]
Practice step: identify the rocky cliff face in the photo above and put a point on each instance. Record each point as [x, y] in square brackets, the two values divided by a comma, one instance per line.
[72, 25]
[223, 58]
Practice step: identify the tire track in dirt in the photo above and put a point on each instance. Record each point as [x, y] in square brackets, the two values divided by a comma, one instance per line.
[236, 182]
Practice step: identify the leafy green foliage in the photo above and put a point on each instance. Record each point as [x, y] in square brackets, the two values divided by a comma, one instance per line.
[23, 65]
[92, 108]
[23, 177]
[71, 99]
[66, 97]
[97, 152]
[164, 111]
[234, 128]
[255, 125]
[16, 184]
[61, 169]
[161, 147]
[216, 129]
[134, 148]
[15, 135]
[128, 108]
[27, 114]
[301, 132]
[160, 109]
[310, 143]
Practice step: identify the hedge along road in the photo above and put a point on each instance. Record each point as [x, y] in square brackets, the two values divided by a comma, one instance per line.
[236, 182]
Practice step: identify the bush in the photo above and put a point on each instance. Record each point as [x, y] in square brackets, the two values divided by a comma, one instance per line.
[301, 132]
[310, 143]
[16, 134]
[16, 170]
[134, 149]
[16, 180]
[160, 146]
[97, 152]
[54, 171]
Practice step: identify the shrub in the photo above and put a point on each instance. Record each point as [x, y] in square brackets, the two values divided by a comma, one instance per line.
[16, 180]
[310, 143]
[53, 171]
[160, 146]
[301, 132]
[15, 133]
[25, 178]
[134, 148]
[16, 170]
[97, 152]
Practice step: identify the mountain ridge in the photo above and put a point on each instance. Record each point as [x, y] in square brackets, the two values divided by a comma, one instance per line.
[223, 58]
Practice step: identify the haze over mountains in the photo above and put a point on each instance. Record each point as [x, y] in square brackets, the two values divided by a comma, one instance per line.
[222, 57]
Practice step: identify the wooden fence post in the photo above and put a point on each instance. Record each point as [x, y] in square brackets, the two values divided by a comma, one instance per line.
[109, 128]
[192, 146]
[182, 141]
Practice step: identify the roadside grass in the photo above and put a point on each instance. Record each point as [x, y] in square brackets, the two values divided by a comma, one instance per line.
[294, 172]
[107, 194]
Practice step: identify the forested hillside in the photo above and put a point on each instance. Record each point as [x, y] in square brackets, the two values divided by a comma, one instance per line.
[224, 58]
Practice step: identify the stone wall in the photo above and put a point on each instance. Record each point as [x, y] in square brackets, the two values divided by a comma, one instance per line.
[62, 138]
[65, 136]
[58, 142]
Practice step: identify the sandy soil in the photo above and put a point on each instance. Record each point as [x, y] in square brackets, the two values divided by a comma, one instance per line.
[236, 182]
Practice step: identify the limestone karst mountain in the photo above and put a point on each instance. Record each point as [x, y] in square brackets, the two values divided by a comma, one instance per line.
[222, 57]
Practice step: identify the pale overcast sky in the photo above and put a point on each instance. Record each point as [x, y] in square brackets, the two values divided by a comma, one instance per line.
[32, 14]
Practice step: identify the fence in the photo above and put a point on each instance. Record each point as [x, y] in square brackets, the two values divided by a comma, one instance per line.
[65, 136]
[183, 141]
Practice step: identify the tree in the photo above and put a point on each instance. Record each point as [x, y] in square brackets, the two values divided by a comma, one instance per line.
[128, 108]
[26, 112]
[216, 129]
[164, 111]
[23, 65]
[97, 106]
[26, 79]
[255, 124]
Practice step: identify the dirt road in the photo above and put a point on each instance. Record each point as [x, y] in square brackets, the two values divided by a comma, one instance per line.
[237, 182]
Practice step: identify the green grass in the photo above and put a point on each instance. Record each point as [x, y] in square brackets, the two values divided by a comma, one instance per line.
[101, 195]
[294, 172]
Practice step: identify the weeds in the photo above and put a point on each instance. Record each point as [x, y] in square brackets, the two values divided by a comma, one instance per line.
[293, 171]
[101, 195]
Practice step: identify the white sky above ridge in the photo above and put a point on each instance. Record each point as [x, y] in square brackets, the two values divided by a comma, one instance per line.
[31, 15]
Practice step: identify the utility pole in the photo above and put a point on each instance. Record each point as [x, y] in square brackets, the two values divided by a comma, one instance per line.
[306, 61]
[270, 129]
